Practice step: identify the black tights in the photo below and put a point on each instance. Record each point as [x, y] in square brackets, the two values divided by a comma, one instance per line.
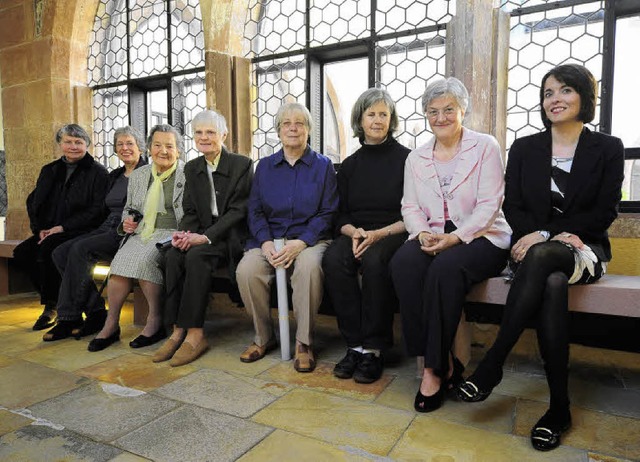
[539, 291]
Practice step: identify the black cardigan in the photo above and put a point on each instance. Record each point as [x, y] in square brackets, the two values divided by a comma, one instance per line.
[592, 196]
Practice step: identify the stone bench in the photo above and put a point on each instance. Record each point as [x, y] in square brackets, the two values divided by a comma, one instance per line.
[6, 254]
[614, 294]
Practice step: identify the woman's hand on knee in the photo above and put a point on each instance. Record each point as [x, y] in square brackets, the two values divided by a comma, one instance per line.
[520, 248]
[569, 238]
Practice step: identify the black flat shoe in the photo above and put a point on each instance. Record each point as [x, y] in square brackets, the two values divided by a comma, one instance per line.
[347, 365]
[99, 344]
[46, 320]
[369, 369]
[545, 435]
[424, 403]
[469, 392]
[143, 341]
[92, 324]
[62, 330]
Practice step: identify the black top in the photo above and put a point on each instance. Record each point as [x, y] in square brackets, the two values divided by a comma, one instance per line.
[370, 185]
[593, 189]
[76, 204]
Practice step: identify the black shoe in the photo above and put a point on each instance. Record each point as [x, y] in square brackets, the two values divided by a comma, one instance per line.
[143, 341]
[347, 365]
[99, 344]
[471, 393]
[92, 324]
[64, 329]
[369, 369]
[545, 435]
[424, 403]
[46, 320]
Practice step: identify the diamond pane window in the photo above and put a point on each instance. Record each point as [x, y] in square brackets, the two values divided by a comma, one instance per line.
[129, 61]
[111, 107]
[398, 15]
[541, 40]
[346, 47]
[407, 66]
[279, 81]
[189, 98]
[335, 21]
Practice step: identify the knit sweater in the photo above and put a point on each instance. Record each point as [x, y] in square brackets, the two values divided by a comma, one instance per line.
[370, 185]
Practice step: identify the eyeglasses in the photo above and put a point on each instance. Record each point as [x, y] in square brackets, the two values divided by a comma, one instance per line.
[447, 112]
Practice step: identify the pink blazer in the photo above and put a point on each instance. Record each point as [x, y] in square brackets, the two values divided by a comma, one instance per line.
[475, 196]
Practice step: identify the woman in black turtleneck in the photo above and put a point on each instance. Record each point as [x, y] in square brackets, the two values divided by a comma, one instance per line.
[370, 185]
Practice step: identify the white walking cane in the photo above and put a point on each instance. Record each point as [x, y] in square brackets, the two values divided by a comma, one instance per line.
[283, 306]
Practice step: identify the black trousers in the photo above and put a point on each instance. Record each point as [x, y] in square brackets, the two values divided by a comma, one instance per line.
[432, 291]
[35, 259]
[75, 260]
[365, 316]
[188, 279]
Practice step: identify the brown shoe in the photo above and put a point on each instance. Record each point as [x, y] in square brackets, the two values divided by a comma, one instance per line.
[255, 352]
[166, 351]
[304, 360]
[188, 353]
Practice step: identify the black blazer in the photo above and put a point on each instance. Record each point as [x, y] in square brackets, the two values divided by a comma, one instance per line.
[81, 198]
[232, 181]
[593, 191]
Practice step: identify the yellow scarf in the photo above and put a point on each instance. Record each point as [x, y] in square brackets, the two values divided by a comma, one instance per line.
[154, 202]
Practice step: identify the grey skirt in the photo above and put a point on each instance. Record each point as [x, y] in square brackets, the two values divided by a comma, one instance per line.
[141, 260]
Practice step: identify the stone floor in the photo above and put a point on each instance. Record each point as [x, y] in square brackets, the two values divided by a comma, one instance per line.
[60, 402]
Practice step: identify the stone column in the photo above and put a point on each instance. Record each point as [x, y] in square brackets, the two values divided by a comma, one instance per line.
[477, 54]
[43, 59]
[227, 76]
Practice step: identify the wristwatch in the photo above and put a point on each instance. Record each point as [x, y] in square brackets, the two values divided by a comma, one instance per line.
[545, 234]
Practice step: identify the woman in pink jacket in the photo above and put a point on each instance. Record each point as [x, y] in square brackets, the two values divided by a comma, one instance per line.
[453, 190]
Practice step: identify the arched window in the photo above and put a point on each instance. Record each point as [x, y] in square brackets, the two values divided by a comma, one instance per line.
[325, 53]
[146, 66]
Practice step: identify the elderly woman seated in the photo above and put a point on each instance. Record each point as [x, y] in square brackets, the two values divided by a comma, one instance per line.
[453, 189]
[156, 190]
[215, 211]
[75, 259]
[294, 196]
[67, 201]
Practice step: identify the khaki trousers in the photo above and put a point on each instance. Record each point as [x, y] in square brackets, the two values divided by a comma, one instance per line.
[255, 276]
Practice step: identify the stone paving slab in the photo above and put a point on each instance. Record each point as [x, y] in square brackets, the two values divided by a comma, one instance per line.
[285, 446]
[192, 433]
[595, 431]
[23, 383]
[102, 411]
[46, 444]
[432, 439]
[336, 420]
[322, 379]
[220, 391]
[10, 421]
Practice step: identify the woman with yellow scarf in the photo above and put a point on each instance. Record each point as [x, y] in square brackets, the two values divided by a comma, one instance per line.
[156, 191]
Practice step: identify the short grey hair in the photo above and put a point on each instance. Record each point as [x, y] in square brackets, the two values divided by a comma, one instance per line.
[294, 107]
[75, 131]
[364, 102]
[446, 87]
[166, 128]
[210, 118]
[135, 134]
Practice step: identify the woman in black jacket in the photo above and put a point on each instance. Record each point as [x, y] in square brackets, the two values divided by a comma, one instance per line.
[67, 201]
[75, 259]
[562, 190]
